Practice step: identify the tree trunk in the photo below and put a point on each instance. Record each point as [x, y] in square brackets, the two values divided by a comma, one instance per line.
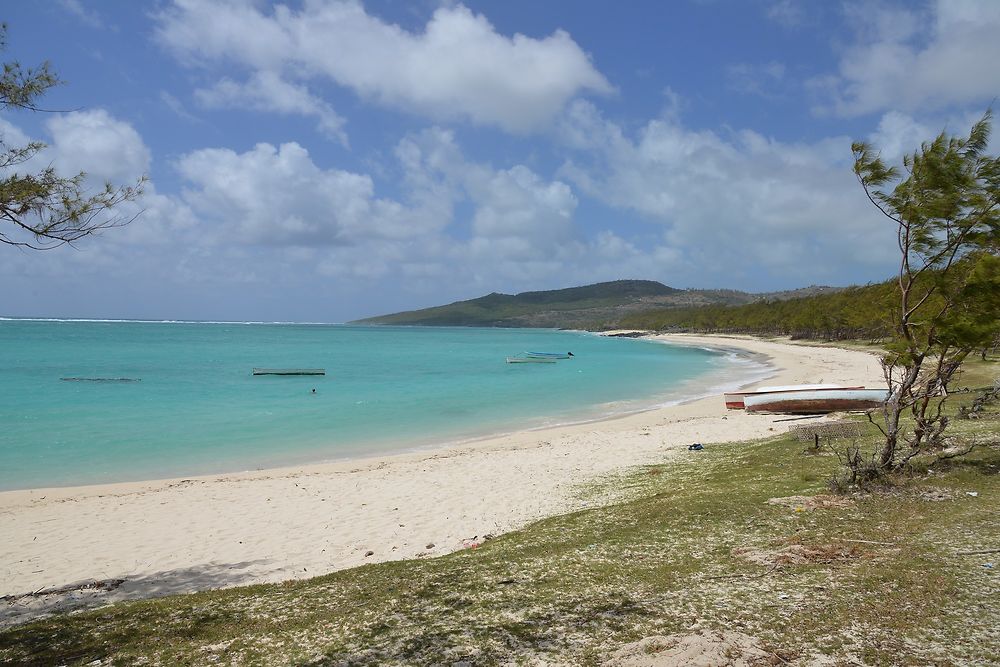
[893, 410]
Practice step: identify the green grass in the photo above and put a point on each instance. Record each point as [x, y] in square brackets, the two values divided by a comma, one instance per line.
[572, 588]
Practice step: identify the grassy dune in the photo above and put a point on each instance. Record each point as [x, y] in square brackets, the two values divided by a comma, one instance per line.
[866, 579]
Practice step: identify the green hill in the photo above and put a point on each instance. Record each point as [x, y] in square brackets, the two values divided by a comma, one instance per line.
[599, 306]
[572, 307]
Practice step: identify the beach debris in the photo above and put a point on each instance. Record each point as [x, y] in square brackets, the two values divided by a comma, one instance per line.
[696, 447]
[429, 546]
[95, 585]
[369, 553]
[974, 494]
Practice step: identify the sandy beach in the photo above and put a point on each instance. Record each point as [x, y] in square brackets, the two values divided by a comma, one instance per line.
[170, 536]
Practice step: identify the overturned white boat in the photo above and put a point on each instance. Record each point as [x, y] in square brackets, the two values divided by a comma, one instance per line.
[816, 401]
[735, 399]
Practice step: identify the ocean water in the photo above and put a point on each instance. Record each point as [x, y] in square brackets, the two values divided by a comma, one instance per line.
[197, 409]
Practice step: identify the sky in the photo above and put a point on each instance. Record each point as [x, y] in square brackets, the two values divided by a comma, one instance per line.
[327, 160]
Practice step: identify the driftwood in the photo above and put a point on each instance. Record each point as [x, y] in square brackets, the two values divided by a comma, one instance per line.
[977, 552]
[101, 585]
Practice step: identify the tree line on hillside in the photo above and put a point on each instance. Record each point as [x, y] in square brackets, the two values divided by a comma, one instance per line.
[852, 314]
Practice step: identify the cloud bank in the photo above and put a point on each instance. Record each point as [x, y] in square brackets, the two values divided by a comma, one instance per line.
[458, 68]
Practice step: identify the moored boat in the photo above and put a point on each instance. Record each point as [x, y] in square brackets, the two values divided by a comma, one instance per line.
[735, 399]
[289, 371]
[816, 401]
[530, 360]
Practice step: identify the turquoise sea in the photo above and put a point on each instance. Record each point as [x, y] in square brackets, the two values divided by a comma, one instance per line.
[196, 408]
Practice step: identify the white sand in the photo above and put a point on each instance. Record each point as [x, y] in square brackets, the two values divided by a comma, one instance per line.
[207, 532]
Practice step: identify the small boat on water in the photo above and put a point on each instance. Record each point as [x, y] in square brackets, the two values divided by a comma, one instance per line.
[289, 371]
[530, 360]
[101, 379]
[816, 401]
[550, 355]
[735, 399]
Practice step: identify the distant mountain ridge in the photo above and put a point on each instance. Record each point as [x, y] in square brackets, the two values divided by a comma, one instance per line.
[597, 306]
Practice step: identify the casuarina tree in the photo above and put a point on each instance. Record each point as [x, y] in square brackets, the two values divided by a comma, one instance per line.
[945, 206]
[39, 208]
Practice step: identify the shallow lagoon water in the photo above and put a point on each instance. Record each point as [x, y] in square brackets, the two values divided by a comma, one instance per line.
[197, 409]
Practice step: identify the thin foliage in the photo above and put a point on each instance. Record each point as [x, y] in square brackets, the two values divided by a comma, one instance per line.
[41, 208]
[945, 204]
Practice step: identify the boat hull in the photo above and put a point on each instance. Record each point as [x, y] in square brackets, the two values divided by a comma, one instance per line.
[735, 399]
[289, 371]
[817, 401]
[530, 360]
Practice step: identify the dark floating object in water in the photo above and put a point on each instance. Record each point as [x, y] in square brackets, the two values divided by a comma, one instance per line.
[289, 371]
[101, 379]
[549, 355]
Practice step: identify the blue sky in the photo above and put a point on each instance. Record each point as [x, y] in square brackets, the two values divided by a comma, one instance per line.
[326, 160]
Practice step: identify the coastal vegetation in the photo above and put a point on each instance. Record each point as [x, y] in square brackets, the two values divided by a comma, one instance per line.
[854, 313]
[742, 537]
[39, 208]
[947, 217]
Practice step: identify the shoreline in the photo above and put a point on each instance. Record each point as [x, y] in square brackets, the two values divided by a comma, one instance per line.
[707, 384]
[180, 535]
[320, 439]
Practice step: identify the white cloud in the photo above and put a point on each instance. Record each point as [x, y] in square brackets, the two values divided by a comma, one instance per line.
[515, 208]
[899, 134]
[95, 142]
[458, 67]
[278, 196]
[738, 206]
[11, 136]
[107, 149]
[914, 60]
[517, 203]
[267, 91]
